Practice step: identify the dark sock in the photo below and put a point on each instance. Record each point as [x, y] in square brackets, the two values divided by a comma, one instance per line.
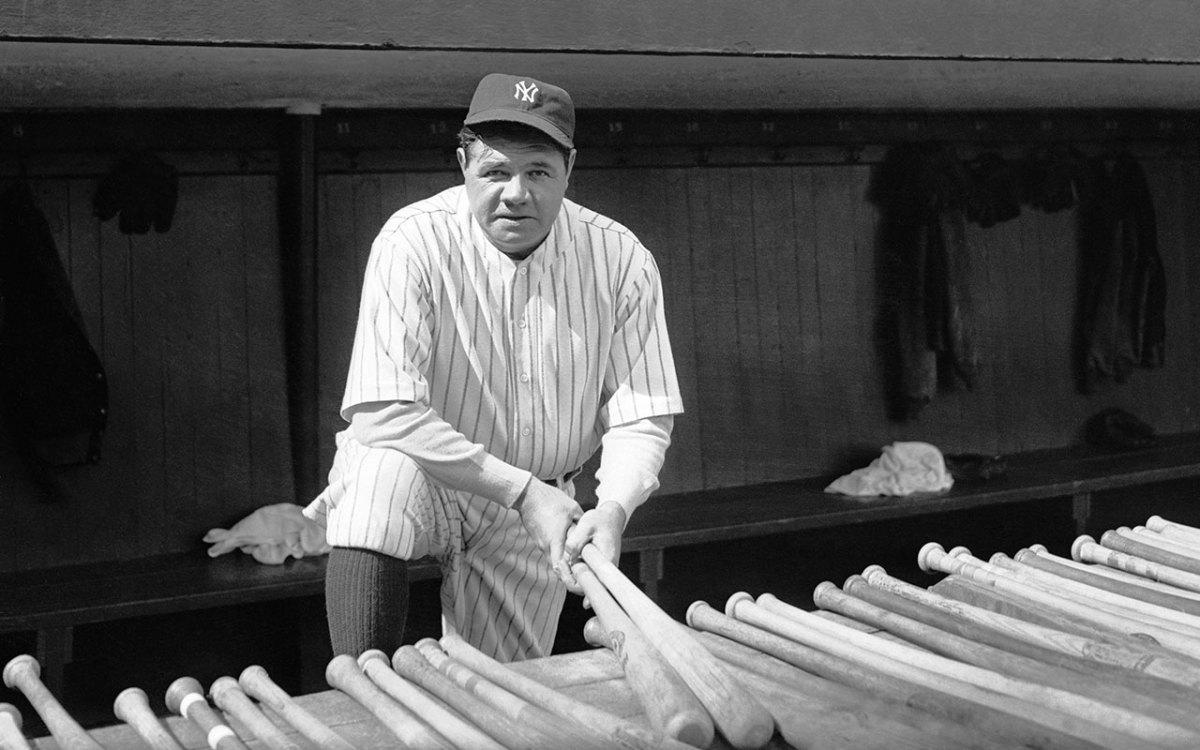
[366, 600]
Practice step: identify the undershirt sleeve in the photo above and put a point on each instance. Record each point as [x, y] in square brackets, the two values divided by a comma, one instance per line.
[630, 459]
[444, 453]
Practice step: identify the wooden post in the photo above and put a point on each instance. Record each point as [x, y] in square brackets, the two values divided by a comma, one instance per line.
[298, 244]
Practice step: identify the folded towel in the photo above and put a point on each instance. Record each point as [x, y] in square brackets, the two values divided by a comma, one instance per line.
[902, 469]
[271, 534]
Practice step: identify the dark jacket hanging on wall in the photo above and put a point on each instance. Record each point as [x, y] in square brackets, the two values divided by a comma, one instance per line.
[926, 323]
[52, 385]
[1122, 296]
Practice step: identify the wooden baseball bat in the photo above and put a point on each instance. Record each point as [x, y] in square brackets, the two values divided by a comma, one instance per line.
[1162, 541]
[185, 697]
[867, 676]
[132, 706]
[1054, 707]
[1129, 653]
[1120, 543]
[914, 665]
[228, 696]
[1046, 562]
[669, 704]
[1180, 531]
[1113, 573]
[411, 665]
[10, 729]
[932, 556]
[742, 720]
[343, 673]
[1136, 690]
[1033, 680]
[258, 684]
[809, 717]
[445, 721]
[566, 733]
[617, 731]
[23, 673]
[1098, 597]
[1085, 549]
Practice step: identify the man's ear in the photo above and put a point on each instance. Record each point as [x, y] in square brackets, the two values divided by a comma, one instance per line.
[570, 164]
[462, 159]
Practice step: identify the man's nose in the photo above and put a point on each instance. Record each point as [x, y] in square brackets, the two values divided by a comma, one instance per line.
[515, 190]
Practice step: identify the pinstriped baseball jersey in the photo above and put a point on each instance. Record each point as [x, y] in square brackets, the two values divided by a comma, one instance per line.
[533, 360]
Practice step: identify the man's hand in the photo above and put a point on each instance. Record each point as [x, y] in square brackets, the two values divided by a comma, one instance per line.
[602, 526]
[547, 513]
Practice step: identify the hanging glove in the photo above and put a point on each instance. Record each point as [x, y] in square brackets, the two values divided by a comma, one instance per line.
[142, 189]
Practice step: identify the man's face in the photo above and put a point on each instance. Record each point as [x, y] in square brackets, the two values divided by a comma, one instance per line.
[515, 189]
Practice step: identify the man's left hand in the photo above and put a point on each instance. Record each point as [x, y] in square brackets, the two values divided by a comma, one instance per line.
[602, 526]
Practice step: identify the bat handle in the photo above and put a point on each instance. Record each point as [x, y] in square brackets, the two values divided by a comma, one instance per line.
[24, 673]
[132, 706]
[10, 729]
[185, 697]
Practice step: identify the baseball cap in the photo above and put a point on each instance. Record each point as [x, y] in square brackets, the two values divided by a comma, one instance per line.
[500, 96]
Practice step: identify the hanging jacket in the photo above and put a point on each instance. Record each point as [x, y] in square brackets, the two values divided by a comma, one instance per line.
[1122, 295]
[53, 390]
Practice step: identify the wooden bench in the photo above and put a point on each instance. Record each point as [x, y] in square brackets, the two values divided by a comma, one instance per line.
[52, 602]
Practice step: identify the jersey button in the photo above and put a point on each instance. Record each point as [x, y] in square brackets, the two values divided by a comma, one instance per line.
[524, 270]
[524, 377]
[525, 431]
[521, 322]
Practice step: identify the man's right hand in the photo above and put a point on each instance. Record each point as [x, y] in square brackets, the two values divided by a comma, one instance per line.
[547, 514]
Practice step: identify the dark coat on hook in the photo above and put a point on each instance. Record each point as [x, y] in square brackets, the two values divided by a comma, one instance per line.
[52, 386]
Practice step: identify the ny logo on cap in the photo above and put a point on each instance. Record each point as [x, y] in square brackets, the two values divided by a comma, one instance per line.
[525, 91]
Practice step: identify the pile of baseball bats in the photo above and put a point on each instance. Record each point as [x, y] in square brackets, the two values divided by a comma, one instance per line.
[1098, 650]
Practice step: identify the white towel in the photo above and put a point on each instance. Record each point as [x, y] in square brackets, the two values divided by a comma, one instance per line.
[902, 469]
[271, 534]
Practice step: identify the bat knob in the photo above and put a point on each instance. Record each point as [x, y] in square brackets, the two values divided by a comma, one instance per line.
[13, 713]
[923, 561]
[872, 572]
[19, 668]
[594, 633]
[1038, 549]
[995, 559]
[1023, 554]
[731, 604]
[221, 687]
[687, 617]
[823, 592]
[959, 551]
[1122, 529]
[852, 582]
[338, 666]
[127, 699]
[180, 689]
[1156, 523]
[371, 655]
[1077, 546]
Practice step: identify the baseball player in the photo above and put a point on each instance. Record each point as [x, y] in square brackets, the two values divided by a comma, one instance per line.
[504, 335]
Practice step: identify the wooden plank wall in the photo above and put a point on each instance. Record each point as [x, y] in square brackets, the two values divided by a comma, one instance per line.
[769, 276]
[189, 328]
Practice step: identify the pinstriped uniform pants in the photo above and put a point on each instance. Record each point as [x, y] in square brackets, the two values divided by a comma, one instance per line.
[498, 590]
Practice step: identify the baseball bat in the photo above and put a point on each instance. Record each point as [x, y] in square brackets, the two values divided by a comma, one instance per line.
[1042, 560]
[1113, 573]
[742, 720]
[1162, 541]
[228, 696]
[567, 733]
[23, 673]
[132, 706]
[1121, 543]
[444, 720]
[933, 557]
[10, 729]
[343, 673]
[867, 676]
[1129, 653]
[617, 731]
[258, 684]
[993, 667]
[411, 665]
[185, 697]
[669, 704]
[1085, 549]
[926, 669]
[1137, 690]
[1180, 531]
[807, 715]
[1094, 596]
